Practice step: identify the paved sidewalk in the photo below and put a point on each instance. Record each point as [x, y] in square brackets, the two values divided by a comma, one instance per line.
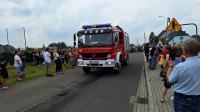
[25, 95]
[150, 89]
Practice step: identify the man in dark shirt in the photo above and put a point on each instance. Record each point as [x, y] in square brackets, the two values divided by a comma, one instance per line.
[153, 58]
[146, 52]
[23, 58]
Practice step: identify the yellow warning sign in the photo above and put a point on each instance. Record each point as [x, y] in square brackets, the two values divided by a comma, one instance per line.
[174, 25]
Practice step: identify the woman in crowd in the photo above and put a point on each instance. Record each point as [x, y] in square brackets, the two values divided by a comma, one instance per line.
[162, 59]
[171, 62]
[58, 62]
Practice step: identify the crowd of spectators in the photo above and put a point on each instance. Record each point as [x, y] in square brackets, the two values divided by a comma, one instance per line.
[61, 57]
[180, 69]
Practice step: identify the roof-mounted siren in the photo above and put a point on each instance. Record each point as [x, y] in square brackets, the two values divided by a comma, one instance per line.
[96, 26]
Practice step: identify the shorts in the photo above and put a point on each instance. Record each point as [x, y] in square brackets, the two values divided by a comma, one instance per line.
[167, 84]
[18, 69]
[4, 74]
[48, 65]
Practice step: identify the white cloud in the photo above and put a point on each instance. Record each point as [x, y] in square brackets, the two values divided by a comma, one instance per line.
[50, 20]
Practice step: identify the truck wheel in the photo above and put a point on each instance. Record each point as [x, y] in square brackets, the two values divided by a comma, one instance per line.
[125, 63]
[117, 71]
[87, 69]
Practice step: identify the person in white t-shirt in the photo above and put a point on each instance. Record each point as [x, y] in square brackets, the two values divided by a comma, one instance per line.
[18, 65]
[47, 59]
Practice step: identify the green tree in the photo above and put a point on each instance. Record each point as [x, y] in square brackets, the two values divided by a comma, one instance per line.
[156, 39]
[153, 38]
[163, 40]
[58, 45]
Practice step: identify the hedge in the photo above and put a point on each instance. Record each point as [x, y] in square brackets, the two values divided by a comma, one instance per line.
[9, 56]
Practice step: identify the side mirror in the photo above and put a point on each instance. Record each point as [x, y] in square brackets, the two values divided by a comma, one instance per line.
[116, 39]
[74, 37]
[120, 38]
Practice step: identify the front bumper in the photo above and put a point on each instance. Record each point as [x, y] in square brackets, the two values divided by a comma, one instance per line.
[96, 63]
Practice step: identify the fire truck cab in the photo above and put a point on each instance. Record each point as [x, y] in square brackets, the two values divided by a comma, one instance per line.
[102, 46]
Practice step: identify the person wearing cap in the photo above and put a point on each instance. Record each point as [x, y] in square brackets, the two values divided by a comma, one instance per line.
[185, 79]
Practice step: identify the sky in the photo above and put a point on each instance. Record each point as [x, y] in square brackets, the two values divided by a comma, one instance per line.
[47, 21]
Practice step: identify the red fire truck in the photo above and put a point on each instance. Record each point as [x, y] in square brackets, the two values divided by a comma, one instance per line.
[102, 46]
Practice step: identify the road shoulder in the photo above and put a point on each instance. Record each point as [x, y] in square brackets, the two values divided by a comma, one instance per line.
[150, 89]
[25, 95]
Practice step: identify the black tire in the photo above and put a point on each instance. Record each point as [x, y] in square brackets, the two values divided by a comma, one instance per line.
[118, 70]
[125, 62]
[87, 69]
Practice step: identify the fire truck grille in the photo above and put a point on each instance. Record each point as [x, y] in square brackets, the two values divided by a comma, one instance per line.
[94, 55]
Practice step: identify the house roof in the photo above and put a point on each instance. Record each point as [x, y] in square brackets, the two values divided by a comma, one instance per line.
[177, 33]
[7, 48]
[164, 34]
[170, 34]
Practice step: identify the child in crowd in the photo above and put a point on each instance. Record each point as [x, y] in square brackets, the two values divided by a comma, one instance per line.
[172, 60]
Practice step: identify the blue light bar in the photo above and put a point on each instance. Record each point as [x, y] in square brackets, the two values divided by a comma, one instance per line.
[96, 26]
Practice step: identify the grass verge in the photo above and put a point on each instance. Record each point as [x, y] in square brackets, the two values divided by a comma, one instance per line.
[32, 72]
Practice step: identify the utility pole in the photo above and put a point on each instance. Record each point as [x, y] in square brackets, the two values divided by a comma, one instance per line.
[168, 19]
[24, 37]
[193, 25]
[144, 38]
[7, 35]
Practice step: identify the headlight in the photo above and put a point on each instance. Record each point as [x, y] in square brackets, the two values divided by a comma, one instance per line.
[109, 63]
[80, 56]
[109, 56]
[80, 62]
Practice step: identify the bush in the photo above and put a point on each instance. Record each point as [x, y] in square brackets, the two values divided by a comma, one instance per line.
[28, 55]
[9, 56]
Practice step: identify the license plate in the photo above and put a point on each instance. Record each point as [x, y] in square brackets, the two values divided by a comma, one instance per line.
[94, 62]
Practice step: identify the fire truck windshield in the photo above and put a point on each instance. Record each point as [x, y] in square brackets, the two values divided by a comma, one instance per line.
[95, 40]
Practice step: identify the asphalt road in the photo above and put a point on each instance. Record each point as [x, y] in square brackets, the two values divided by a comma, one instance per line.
[101, 91]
